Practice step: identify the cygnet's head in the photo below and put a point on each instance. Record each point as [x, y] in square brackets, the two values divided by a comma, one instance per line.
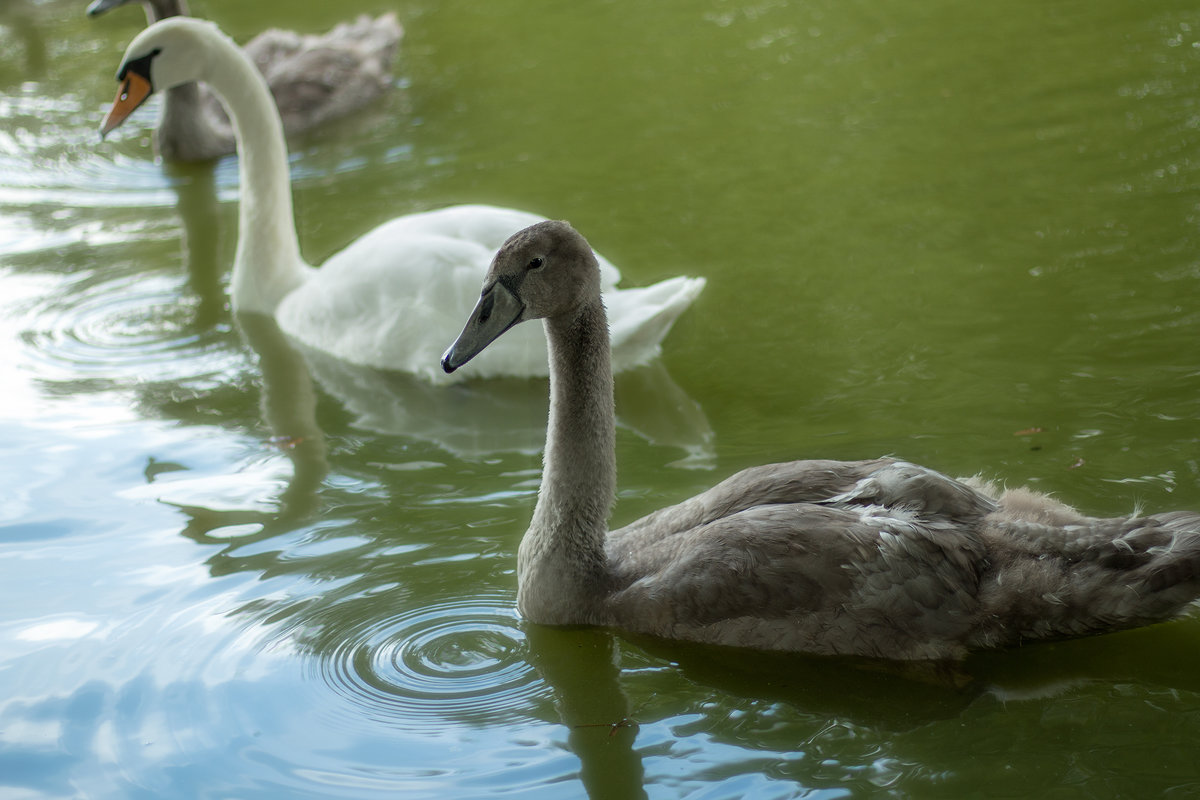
[155, 9]
[545, 271]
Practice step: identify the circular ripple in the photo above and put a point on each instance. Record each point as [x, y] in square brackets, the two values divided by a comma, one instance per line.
[461, 660]
[137, 326]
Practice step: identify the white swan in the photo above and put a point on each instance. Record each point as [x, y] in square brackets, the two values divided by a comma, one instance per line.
[871, 558]
[393, 297]
[312, 78]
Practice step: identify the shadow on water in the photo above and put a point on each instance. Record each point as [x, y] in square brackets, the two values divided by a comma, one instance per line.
[876, 694]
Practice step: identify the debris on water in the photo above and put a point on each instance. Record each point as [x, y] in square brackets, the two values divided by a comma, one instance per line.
[613, 727]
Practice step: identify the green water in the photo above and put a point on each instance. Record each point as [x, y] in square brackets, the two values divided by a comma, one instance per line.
[960, 233]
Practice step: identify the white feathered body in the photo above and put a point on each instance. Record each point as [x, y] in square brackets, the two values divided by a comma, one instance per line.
[396, 297]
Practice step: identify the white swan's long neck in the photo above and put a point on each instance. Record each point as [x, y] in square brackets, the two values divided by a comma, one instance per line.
[564, 547]
[268, 264]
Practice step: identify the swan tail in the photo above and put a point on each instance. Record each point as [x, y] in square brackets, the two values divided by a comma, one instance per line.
[379, 36]
[1165, 558]
[315, 78]
[640, 318]
[1110, 575]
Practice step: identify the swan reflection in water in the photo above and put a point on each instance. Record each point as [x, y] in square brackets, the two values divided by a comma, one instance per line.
[477, 420]
[470, 421]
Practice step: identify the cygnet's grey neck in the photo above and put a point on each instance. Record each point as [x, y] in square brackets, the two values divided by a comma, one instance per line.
[183, 127]
[561, 566]
[161, 9]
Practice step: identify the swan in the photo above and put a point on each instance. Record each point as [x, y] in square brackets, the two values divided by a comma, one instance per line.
[878, 558]
[392, 298]
[312, 78]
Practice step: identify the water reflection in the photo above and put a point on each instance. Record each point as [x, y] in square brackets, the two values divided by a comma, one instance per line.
[583, 668]
[879, 695]
[288, 403]
[475, 420]
[200, 238]
[18, 18]
[457, 659]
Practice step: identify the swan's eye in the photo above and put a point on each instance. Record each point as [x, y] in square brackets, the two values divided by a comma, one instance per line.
[534, 263]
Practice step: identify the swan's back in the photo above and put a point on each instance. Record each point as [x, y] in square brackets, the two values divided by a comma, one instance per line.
[315, 78]
[887, 559]
[396, 296]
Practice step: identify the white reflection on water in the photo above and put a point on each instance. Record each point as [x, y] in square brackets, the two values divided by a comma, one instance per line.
[21, 401]
[57, 630]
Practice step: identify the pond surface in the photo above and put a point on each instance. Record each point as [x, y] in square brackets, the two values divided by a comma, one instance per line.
[961, 233]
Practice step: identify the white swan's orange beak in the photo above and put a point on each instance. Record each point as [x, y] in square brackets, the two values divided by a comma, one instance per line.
[133, 92]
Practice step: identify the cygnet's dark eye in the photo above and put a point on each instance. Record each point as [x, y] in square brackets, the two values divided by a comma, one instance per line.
[534, 263]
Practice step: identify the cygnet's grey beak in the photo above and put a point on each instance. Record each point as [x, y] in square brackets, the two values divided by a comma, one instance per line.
[498, 310]
[100, 6]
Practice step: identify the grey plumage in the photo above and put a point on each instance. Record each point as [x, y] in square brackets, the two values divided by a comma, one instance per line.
[818, 570]
[877, 558]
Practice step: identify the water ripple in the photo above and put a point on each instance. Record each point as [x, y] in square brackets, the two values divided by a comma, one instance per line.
[87, 181]
[134, 326]
[461, 660]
